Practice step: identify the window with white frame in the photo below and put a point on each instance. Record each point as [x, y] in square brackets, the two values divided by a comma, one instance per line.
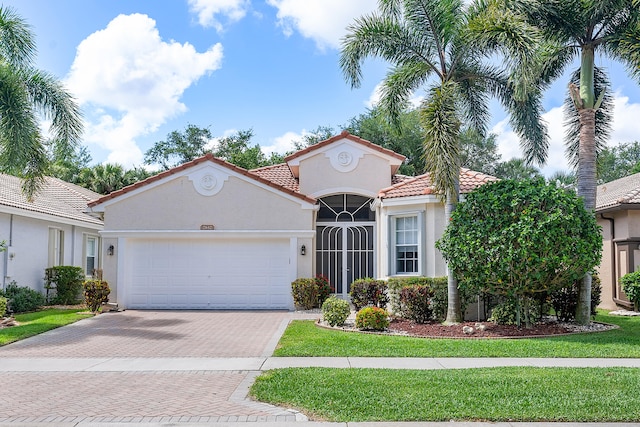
[56, 247]
[406, 244]
[91, 254]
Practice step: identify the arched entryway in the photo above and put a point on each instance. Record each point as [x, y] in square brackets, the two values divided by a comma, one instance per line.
[345, 240]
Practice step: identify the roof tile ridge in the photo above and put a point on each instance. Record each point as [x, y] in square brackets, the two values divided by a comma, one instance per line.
[261, 168]
[402, 183]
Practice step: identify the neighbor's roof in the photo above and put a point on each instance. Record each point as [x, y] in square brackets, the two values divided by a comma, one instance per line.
[422, 185]
[623, 191]
[56, 197]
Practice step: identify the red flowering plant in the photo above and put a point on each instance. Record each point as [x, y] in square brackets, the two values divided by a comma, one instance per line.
[372, 318]
[324, 288]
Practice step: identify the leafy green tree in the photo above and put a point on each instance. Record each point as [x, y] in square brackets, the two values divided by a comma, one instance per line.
[618, 162]
[237, 149]
[477, 152]
[179, 147]
[445, 47]
[26, 95]
[580, 29]
[516, 169]
[517, 239]
[65, 162]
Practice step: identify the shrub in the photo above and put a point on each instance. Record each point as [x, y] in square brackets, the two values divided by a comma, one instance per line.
[438, 285]
[631, 287]
[96, 292]
[324, 288]
[518, 238]
[335, 311]
[305, 293]
[67, 281]
[372, 318]
[417, 303]
[512, 311]
[23, 299]
[369, 291]
[565, 300]
[3, 306]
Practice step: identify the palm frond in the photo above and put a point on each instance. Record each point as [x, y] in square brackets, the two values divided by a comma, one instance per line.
[398, 86]
[604, 116]
[17, 42]
[441, 123]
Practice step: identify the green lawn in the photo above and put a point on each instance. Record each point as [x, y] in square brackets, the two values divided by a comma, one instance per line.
[40, 321]
[303, 338]
[496, 394]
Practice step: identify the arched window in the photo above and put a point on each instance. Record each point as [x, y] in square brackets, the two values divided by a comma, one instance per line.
[345, 208]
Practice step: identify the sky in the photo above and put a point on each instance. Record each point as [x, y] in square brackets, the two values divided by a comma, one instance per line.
[141, 69]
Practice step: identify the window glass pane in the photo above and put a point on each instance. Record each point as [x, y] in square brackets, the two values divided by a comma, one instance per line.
[406, 245]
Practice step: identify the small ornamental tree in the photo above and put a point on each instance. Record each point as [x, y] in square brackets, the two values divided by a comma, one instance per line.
[517, 239]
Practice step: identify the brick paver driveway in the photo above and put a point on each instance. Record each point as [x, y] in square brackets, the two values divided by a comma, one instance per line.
[157, 395]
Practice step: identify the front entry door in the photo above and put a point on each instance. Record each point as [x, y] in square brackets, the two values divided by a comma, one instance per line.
[344, 253]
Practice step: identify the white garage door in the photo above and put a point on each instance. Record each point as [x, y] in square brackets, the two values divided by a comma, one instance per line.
[208, 274]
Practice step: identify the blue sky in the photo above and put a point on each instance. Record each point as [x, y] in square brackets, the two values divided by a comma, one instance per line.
[143, 68]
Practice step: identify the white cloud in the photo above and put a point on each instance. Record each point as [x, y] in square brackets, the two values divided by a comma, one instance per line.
[624, 129]
[284, 143]
[129, 82]
[208, 10]
[323, 21]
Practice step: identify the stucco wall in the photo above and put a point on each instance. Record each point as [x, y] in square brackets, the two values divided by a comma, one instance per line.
[319, 177]
[176, 205]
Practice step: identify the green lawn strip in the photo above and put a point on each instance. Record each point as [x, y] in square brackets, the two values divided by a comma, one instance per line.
[303, 338]
[40, 321]
[494, 394]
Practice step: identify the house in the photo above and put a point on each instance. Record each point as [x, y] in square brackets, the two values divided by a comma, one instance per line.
[210, 235]
[618, 213]
[52, 229]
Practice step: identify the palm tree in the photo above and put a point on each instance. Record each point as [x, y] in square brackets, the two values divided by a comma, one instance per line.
[576, 29]
[444, 47]
[103, 179]
[25, 94]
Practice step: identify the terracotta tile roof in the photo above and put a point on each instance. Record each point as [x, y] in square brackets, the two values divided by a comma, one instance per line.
[422, 185]
[279, 174]
[207, 157]
[343, 135]
[57, 198]
[623, 191]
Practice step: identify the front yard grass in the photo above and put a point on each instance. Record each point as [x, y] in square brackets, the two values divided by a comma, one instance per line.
[495, 394]
[40, 321]
[303, 338]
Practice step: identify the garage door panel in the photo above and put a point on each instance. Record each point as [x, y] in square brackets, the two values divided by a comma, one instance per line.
[164, 273]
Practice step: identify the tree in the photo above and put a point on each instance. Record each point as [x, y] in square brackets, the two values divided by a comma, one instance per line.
[103, 179]
[618, 162]
[516, 169]
[479, 153]
[25, 94]
[179, 147]
[405, 137]
[236, 149]
[444, 47]
[578, 29]
[517, 239]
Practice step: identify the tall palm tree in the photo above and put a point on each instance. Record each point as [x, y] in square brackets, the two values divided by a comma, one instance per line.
[578, 29]
[26, 95]
[443, 47]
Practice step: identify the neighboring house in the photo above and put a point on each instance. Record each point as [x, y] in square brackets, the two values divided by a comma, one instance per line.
[618, 213]
[210, 235]
[52, 229]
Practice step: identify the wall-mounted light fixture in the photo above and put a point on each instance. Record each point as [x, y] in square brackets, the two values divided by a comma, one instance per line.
[110, 250]
[303, 250]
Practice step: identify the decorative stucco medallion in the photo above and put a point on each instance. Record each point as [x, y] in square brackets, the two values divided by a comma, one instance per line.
[344, 157]
[208, 180]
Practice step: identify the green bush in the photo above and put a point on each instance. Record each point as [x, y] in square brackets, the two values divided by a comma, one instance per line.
[305, 293]
[96, 292]
[438, 286]
[417, 303]
[565, 301]
[67, 281]
[631, 287]
[335, 311]
[369, 291]
[324, 288]
[23, 299]
[512, 311]
[3, 306]
[372, 318]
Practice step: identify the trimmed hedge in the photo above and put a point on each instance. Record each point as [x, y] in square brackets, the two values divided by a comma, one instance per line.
[372, 318]
[368, 291]
[96, 292]
[67, 282]
[23, 299]
[335, 311]
[3, 306]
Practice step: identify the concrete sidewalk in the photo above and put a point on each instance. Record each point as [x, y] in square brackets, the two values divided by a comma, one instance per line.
[146, 364]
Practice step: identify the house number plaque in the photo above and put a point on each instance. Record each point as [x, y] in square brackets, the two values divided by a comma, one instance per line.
[207, 227]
